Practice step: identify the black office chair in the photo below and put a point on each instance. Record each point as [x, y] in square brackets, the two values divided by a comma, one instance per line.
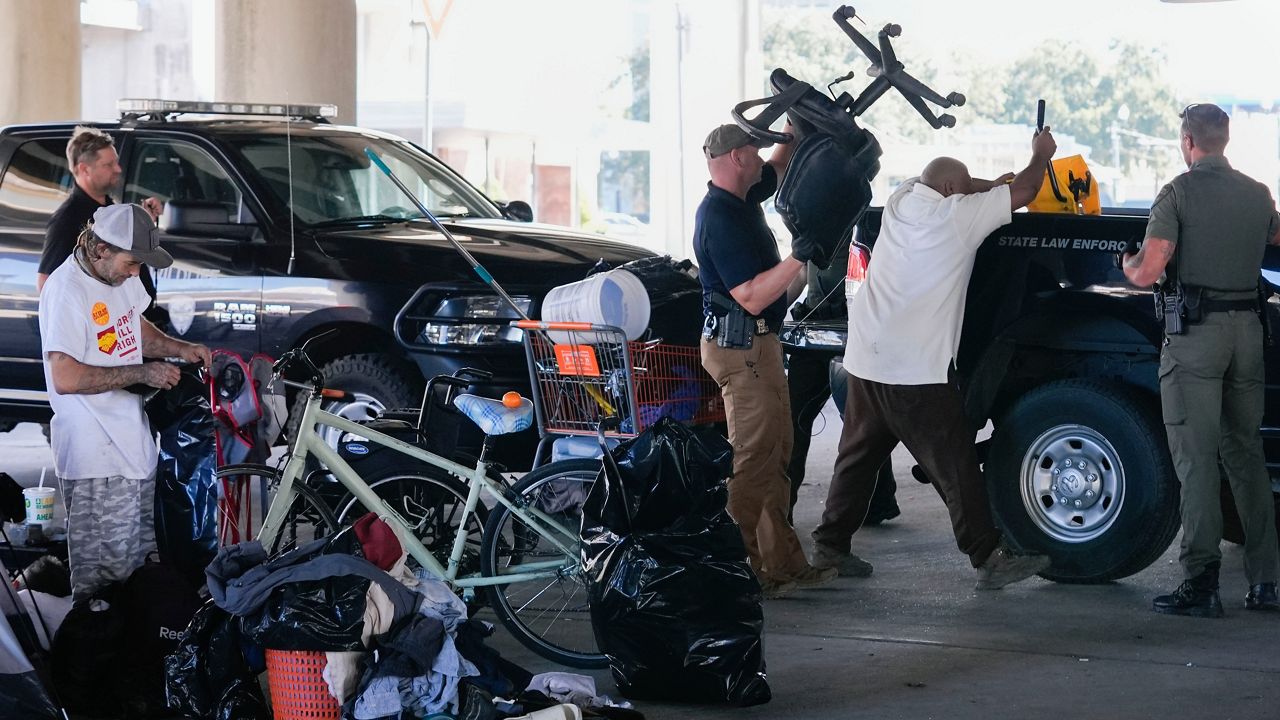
[827, 186]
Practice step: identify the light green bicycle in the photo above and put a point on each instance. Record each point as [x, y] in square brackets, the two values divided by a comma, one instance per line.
[529, 559]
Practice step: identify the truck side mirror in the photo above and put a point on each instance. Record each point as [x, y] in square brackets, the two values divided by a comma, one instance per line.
[518, 210]
[202, 219]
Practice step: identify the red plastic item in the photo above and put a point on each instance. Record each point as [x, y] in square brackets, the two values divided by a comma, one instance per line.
[673, 376]
[298, 690]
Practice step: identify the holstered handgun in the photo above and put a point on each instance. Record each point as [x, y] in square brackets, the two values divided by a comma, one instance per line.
[730, 324]
[1169, 307]
[1268, 326]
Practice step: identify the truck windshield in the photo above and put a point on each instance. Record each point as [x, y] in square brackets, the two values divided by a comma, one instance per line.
[334, 182]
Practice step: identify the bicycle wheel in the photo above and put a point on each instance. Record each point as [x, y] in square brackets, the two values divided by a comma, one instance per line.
[431, 502]
[308, 517]
[549, 614]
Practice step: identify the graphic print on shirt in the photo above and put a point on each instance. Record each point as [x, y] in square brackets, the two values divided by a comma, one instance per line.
[107, 340]
[119, 339]
[100, 314]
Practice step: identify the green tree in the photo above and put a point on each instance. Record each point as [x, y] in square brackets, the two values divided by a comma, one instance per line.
[624, 176]
[1083, 91]
[1084, 95]
[632, 84]
[638, 66]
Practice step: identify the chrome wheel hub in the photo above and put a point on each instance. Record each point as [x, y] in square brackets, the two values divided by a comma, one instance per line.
[1072, 483]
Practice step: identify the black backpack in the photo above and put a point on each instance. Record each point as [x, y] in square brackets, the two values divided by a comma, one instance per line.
[108, 655]
[88, 655]
[158, 605]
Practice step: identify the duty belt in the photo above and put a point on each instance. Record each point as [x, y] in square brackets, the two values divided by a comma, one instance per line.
[1228, 305]
[763, 326]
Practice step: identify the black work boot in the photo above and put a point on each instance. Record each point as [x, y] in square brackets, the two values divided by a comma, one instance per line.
[1262, 597]
[1197, 597]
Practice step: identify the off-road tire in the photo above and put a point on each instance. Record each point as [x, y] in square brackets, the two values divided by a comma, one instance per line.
[390, 381]
[1132, 515]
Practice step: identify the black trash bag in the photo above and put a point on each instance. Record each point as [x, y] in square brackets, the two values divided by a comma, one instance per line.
[186, 497]
[674, 603]
[675, 298]
[207, 676]
[13, 507]
[324, 615]
[23, 695]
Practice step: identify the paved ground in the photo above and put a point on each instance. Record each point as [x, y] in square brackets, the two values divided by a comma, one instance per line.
[915, 641]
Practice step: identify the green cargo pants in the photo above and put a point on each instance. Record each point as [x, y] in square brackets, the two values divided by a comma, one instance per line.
[1211, 389]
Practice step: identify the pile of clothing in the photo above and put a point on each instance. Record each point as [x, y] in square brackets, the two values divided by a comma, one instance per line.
[398, 644]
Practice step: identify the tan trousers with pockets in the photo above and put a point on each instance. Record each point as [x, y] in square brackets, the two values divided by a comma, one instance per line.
[754, 386]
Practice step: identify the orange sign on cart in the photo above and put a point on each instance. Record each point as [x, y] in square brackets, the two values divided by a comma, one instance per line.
[577, 360]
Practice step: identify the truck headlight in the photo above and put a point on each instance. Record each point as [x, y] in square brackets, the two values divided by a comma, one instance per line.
[482, 308]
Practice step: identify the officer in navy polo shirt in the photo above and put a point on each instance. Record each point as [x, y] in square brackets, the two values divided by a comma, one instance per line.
[745, 296]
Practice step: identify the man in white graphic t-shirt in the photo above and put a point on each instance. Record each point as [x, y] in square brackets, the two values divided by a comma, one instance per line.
[94, 337]
[904, 331]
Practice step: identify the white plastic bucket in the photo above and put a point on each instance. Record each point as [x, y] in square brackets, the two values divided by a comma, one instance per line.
[616, 298]
[40, 503]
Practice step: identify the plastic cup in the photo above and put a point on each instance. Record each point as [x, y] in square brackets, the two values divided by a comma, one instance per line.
[40, 502]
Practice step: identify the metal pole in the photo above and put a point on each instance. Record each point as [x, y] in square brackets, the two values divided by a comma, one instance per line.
[1115, 163]
[475, 264]
[427, 119]
[680, 30]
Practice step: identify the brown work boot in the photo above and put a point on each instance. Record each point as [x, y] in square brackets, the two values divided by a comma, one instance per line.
[773, 589]
[847, 563]
[1004, 567]
[813, 577]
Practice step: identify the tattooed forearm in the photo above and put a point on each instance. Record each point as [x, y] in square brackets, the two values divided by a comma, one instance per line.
[71, 377]
[155, 343]
[1145, 267]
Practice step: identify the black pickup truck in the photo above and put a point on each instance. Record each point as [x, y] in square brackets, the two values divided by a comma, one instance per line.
[1061, 355]
[282, 231]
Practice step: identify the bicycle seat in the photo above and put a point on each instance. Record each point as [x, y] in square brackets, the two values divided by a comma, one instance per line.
[493, 417]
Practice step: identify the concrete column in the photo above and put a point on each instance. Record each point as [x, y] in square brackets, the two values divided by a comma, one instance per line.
[39, 60]
[298, 51]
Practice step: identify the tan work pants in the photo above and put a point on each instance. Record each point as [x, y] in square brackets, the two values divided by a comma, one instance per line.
[754, 386]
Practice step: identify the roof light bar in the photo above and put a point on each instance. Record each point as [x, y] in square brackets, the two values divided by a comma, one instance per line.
[155, 106]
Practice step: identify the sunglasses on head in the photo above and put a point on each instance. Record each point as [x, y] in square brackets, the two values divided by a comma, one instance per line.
[1209, 109]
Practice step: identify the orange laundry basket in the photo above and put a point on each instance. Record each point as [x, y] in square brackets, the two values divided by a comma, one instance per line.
[298, 690]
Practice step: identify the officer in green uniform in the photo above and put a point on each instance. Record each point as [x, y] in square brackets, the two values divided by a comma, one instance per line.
[1208, 230]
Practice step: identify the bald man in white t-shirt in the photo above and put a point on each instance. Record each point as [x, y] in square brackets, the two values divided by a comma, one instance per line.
[904, 331]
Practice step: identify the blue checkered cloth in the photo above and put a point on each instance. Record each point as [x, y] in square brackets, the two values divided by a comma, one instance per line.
[493, 417]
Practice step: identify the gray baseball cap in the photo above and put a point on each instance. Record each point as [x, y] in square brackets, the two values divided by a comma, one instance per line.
[131, 228]
[729, 137]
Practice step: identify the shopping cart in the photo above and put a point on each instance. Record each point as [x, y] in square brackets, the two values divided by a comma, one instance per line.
[584, 374]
